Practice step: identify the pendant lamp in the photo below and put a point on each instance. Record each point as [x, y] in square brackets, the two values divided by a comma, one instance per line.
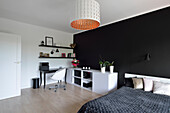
[87, 15]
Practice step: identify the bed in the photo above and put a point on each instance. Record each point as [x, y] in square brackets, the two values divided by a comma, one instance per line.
[128, 100]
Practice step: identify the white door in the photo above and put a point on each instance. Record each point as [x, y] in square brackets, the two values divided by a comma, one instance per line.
[10, 67]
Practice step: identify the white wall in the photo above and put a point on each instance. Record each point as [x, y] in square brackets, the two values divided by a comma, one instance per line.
[31, 37]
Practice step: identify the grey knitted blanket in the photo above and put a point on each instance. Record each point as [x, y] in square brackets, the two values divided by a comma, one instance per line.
[128, 100]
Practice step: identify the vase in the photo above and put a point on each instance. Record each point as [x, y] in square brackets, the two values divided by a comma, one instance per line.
[111, 69]
[101, 65]
[103, 69]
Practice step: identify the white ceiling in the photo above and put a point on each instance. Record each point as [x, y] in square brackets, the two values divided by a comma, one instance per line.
[57, 14]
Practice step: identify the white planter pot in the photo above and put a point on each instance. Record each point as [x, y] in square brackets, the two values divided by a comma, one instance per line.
[111, 69]
[103, 69]
[100, 65]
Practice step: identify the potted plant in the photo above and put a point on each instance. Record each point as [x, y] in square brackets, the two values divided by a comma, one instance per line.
[75, 63]
[111, 66]
[103, 65]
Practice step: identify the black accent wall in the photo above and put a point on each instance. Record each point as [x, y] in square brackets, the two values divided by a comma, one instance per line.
[127, 43]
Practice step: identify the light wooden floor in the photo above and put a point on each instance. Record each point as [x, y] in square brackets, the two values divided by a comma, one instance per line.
[48, 101]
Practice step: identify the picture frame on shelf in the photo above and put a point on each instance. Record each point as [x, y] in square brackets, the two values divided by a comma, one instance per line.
[49, 41]
[63, 54]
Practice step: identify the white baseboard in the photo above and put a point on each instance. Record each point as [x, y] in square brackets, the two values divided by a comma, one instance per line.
[11, 96]
[30, 86]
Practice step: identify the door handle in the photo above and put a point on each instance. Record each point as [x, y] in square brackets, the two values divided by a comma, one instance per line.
[17, 62]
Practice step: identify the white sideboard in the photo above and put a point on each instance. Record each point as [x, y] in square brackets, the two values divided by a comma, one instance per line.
[92, 80]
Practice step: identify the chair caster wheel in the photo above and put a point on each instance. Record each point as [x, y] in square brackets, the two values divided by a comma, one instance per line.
[49, 88]
[55, 90]
[64, 88]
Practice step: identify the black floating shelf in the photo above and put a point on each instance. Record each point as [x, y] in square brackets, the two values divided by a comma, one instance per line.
[59, 57]
[63, 47]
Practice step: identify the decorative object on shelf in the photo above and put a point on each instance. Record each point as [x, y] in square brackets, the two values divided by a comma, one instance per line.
[73, 55]
[42, 42]
[63, 54]
[72, 45]
[49, 41]
[46, 55]
[111, 66]
[52, 51]
[41, 54]
[86, 68]
[75, 63]
[57, 51]
[103, 65]
[87, 15]
[69, 55]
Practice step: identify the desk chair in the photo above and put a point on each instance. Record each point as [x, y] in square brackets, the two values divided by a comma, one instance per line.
[59, 76]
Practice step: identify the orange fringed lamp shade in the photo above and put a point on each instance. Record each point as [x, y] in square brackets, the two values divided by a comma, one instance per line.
[87, 15]
[85, 24]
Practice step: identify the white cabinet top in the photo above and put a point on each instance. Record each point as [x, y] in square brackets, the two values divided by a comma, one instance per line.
[92, 70]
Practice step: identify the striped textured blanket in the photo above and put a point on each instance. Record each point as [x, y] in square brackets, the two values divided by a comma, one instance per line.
[128, 100]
